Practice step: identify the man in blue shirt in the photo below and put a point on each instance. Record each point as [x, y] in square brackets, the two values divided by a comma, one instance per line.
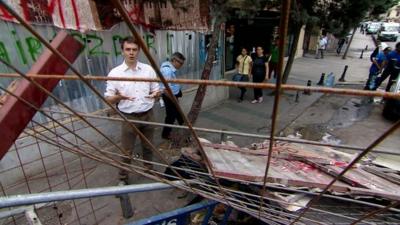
[168, 69]
[392, 69]
[379, 62]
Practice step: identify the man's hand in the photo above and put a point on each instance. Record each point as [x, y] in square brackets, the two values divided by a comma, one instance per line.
[123, 97]
[118, 97]
[155, 95]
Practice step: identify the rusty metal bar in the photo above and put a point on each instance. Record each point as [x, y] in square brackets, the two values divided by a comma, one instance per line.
[14, 116]
[137, 169]
[253, 195]
[73, 69]
[349, 166]
[50, 117]
[171, 96]
[283, 27]
[373, 213]
[40, 87]
[264, 197]
[48, 129]
[235, 133]
[156, 172]
[286, 87]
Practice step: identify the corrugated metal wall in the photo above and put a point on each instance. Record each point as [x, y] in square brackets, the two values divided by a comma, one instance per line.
[101, 53]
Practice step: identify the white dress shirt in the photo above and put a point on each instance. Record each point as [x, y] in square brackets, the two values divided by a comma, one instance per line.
[138, 90]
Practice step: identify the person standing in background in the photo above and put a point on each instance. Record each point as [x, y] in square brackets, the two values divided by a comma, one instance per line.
[323, 42]
[273, 63]
[169, 69]
[243, 66]
[391, 70]
[379, 62]
[259, 71]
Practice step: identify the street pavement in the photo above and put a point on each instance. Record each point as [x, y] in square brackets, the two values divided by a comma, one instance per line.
[319, 117]
[360, 121]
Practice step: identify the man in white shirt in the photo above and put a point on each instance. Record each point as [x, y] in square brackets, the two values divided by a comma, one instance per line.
[134, 99]
[323, 42]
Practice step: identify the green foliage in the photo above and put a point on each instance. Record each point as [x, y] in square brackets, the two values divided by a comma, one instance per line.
[382, 6]
[224, 9]
[337, 16]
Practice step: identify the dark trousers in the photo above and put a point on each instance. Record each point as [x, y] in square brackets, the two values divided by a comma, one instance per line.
[258, 78]
[128, 138]
[243, 90]
[370, 84]
[272, 67]
[339, 49]
[172, 114]
[389, 72]
[320, 52]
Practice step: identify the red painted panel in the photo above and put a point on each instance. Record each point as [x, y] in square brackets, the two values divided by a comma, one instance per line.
[15, 114]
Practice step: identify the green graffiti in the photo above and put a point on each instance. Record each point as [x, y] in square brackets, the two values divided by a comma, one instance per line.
[150, 40]
[29, 48]
[3, 53]
[117, 46]
[34, 47]
[98, 43]
[20, 49]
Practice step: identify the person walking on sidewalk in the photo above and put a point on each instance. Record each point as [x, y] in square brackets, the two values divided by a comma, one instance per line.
[244, 65]
[378, 64]
[133, 99]
[392, 69]
[340, 45]
[273, 62]
[259, 71]
[323, 42]
[169, 69]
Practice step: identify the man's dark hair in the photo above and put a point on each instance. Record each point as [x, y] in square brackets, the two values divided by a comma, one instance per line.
[397, 45]
[179, 56]
[130, 40]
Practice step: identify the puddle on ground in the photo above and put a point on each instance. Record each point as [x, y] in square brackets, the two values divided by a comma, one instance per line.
[354, 110]
[313, 132]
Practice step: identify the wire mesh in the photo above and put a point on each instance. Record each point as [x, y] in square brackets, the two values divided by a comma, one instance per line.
[75, 158]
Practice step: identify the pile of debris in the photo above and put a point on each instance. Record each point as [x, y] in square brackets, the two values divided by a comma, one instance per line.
[301, 166]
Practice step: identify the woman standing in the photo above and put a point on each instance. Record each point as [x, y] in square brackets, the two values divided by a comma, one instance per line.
[243, 65]
[259, 71]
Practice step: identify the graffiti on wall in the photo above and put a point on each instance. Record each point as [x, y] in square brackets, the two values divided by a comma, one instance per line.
[101, 52]
[101, 15]
[29, 48]
[60, 13]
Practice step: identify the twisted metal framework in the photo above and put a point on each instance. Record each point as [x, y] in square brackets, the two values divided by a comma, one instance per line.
[202, 182]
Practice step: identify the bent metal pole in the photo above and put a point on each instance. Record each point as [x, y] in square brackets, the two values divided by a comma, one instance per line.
[30, 199]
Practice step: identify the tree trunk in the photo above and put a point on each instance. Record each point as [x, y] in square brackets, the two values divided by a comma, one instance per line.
[348, 45]
[292, 53]
[181, 138]
[205, 75]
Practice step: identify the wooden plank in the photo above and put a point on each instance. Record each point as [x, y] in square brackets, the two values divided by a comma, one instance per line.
[237, 165]
[295, 170]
